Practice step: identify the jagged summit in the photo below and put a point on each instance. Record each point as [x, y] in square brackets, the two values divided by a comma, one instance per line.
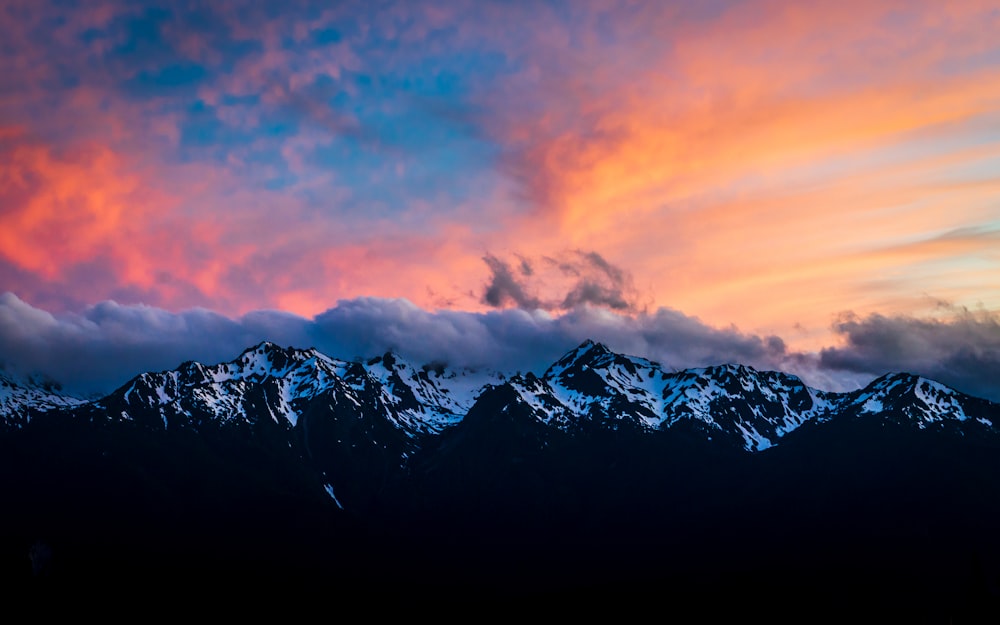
[267, 356]
[586, 353]
[589, 387]
[909, 398]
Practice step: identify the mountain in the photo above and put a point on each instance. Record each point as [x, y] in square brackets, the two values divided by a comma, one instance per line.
[590, 387]
[267, 381]
[287, 464]
[19, 399]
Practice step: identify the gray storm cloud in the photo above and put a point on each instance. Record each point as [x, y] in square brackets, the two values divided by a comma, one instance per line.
[94, 351]
[588, 279]
[962, 351]
[505, 287]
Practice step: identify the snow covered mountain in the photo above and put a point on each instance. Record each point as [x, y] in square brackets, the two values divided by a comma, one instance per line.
[604, 462]
[270, 382]
[364, 428]
[590, 387]
[18, 400]
[593, 386]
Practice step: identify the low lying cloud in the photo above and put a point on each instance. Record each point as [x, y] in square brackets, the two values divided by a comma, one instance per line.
[101, 348]
[569, 280]
[962, 351]
[93, 352]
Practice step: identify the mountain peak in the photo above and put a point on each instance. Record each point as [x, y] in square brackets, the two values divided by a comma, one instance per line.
[265, 347]
[894, 378]
[734, 369]
[894, 384]
[586, 353]
[591, 345]
[17, 397]
[389, 360]
[276, 354]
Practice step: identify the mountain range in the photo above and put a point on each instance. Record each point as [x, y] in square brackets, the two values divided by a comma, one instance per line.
[605, 474]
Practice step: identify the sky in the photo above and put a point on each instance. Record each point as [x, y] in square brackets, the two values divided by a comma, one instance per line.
[812, 187]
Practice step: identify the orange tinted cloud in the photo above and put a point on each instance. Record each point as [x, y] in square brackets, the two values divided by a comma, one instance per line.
[721, 172]
[61, 209]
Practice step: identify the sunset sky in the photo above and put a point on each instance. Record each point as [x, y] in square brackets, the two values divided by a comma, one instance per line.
[813, 187]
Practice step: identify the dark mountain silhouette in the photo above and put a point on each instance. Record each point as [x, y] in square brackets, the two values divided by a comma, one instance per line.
[604, 477]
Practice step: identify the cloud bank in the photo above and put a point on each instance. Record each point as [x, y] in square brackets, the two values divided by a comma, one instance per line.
[94, 351]
[962, 351]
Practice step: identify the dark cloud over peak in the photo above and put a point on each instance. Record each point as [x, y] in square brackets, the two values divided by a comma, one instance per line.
[961, 350]
[580, 279]
[100, 348]
[505, 288]
[96, 350]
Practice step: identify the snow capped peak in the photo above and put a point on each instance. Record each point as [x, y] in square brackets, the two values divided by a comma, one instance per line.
[593, 349]
[226, 392]
[889, 387]
[894, 379]
[587, 351]
[267, 359]
[908, 398]
[587, 356]
[590, 387]
[18, 398]
[262, 348]
[730, 369]
[272, 355]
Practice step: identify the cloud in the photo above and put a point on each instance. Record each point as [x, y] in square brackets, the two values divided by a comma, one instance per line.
[962, 351]
[504, 287]
[600, 283]
[96, 350]
[100, 348]
[586, 278]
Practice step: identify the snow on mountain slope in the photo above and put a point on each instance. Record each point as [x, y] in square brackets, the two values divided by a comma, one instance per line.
[19, 399]
[757, 406]
[418, 400]
[543, 402]
[589, 387]
[754, 407]
[286, 378]
[594, 380]
[426, 399]
[903, 397]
